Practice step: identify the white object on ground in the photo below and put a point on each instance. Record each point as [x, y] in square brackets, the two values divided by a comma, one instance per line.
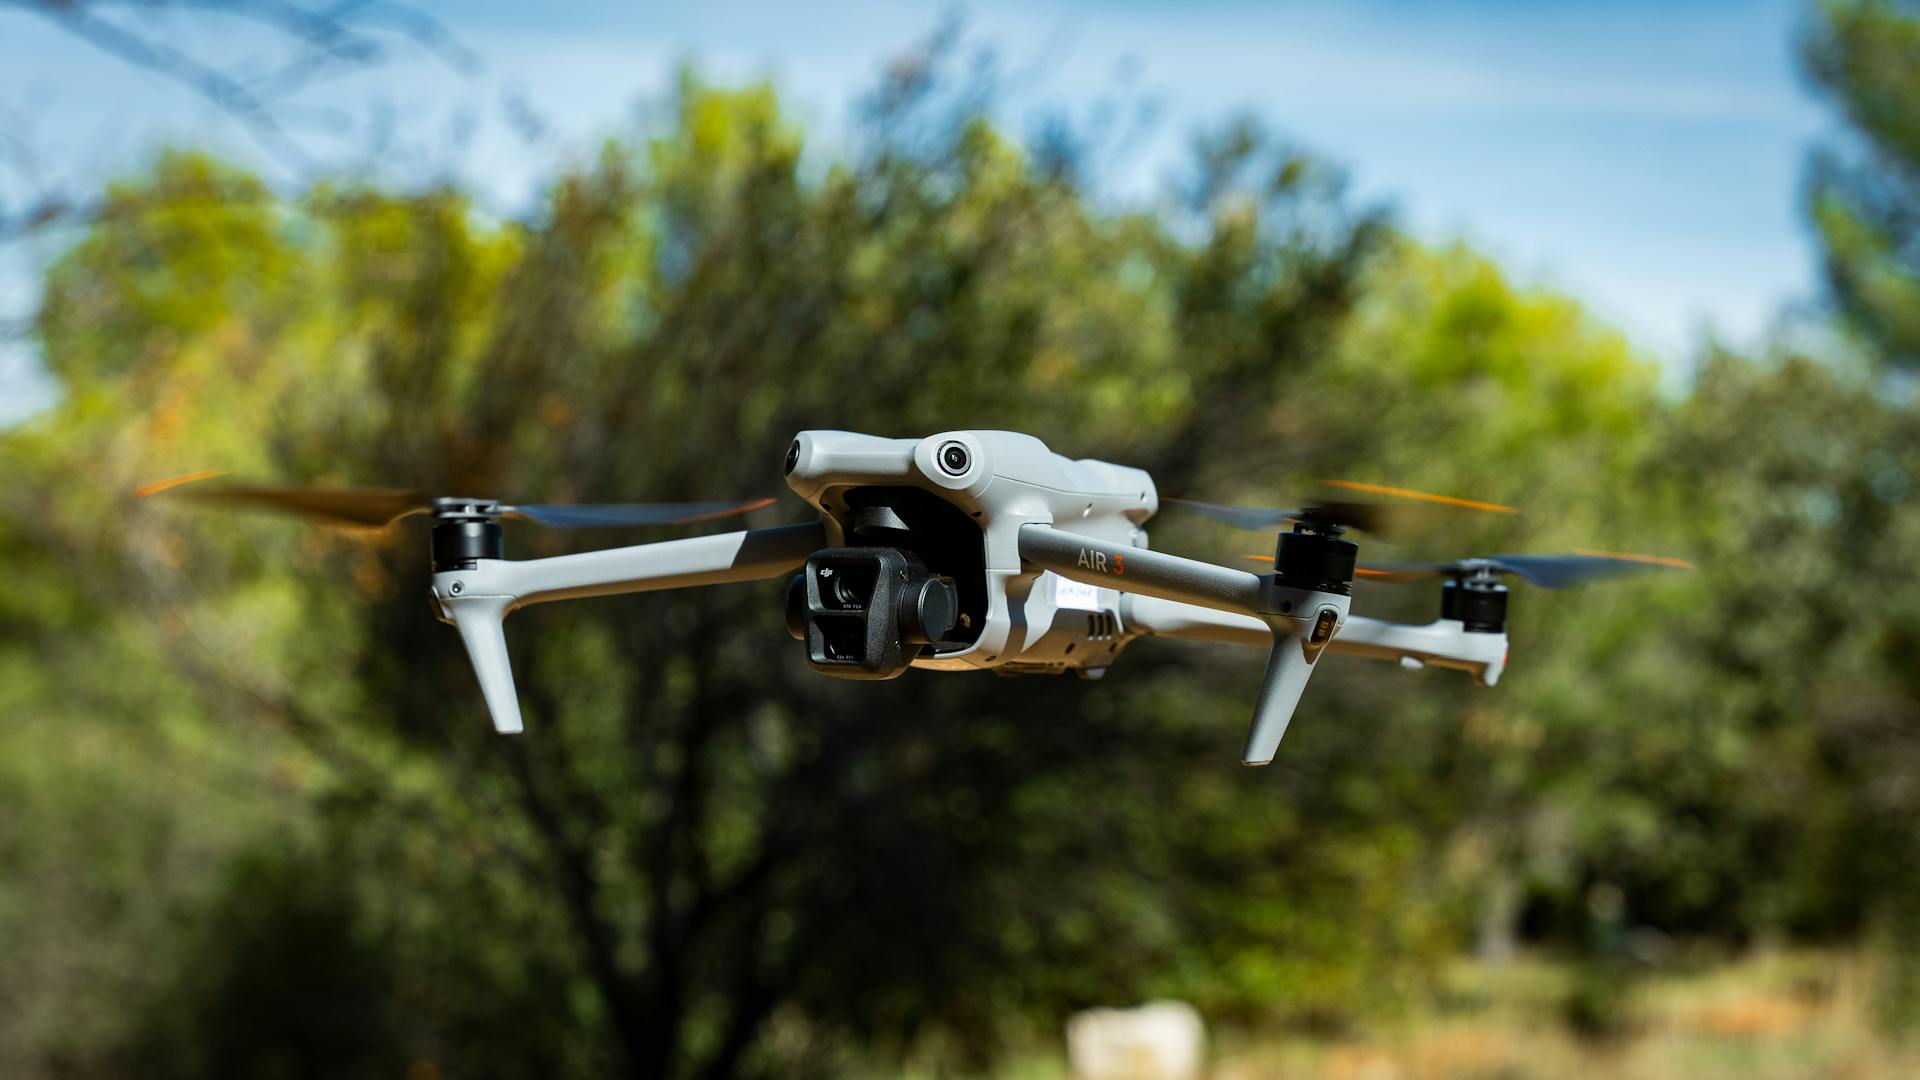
[1162, 1040]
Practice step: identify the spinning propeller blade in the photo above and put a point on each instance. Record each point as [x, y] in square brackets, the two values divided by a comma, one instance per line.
[1359, 571]
[1420, 496]
[367, 507]
[1546, 571]
[377, 507]
[1374, 517]
[1367, 517]
[588, 515]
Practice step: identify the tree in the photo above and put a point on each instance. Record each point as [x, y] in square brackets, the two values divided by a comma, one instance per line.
[1864, 194]
[703, 835]
[1865, 200]
[704, 860]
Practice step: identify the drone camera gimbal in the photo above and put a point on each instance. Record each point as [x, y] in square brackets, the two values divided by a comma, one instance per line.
[865, 612]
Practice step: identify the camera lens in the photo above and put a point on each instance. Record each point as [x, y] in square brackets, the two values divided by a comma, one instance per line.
[846, 593]
[793, 456]
[954, 459]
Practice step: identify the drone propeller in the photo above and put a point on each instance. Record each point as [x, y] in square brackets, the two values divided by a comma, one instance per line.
[1367, 517]
[593, 515]
[1545, 571]
[1374, 517]
[377, 507]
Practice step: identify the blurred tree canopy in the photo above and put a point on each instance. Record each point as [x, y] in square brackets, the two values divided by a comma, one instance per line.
[257, 824]
[1865, 206]
[1865, 54]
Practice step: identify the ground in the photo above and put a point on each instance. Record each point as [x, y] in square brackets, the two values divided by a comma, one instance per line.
[1770, 1016]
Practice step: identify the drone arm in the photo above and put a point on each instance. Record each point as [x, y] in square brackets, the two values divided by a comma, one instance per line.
[749, 555]
[477, 600]
[479, 621]
[1445, 643]
[1298, 624]
[1154, 617]
[1142, 572]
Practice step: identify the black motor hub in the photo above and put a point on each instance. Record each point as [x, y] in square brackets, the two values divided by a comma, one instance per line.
[1479, 601]
[1316, 558]
[465, 530]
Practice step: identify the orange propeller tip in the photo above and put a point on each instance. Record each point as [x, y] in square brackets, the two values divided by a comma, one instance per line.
[1358, 570]
[1627, 556]
[1422, 496]
[171, 482]
[744, 508]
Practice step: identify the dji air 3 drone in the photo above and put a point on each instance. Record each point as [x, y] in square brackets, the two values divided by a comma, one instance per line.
[970, 550]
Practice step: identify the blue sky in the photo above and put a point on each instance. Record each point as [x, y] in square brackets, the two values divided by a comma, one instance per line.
[1644, 157]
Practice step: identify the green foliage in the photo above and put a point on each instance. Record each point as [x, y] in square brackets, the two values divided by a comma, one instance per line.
[704, 860]
[1866, 55]
[1866, 207]
[280, 984]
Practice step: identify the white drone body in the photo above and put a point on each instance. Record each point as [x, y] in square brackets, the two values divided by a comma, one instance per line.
[976, 550]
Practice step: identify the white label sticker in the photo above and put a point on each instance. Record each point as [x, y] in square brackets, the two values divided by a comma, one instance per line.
[1075, 594]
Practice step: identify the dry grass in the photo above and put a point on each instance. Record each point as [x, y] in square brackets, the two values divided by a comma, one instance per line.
[1777, 1016]
[1798, 1015]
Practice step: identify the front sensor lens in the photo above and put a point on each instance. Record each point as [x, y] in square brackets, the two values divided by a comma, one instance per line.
[954, 459]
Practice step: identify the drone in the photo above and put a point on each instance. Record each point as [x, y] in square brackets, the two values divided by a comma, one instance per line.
[971, 550]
